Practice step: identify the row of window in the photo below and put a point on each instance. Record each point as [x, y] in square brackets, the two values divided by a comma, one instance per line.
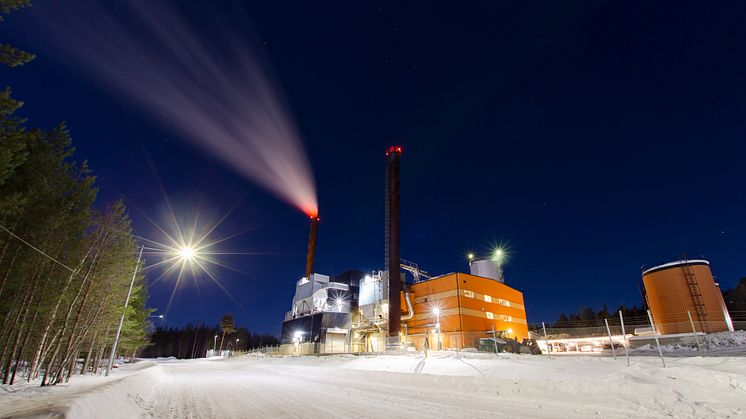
[487, 298]
[502, 317]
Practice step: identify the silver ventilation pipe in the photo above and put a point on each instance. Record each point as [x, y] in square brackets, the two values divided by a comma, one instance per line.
[410, 310]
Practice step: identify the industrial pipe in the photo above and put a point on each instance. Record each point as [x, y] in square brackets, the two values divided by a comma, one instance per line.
[410, 310]
[311, 255]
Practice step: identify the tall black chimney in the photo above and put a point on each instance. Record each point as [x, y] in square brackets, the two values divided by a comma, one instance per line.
[311, 255]
[393, 256]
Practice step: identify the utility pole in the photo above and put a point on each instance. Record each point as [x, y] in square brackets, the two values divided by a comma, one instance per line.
[121, 320]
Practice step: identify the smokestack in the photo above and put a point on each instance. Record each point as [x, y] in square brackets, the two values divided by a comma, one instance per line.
[393, 245]
[311, 255]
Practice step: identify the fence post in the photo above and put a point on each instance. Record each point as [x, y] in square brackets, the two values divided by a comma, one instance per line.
[657, 342]
[546, 341]
[624, 337]
[613, 352]
[688, 313]
[494, 338]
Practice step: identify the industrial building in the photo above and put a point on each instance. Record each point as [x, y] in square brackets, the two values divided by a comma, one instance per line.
[321, 313]
[683, 296]
[357, 312]
[466, 307]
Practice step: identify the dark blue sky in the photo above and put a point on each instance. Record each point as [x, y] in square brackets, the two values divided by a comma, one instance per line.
[590, 137]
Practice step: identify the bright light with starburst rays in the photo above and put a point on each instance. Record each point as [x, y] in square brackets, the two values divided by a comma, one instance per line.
[187, 248]
[186, 253]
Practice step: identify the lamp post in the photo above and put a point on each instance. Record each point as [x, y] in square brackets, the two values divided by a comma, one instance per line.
[436, 311]
[121, 320]
[499, 257]
[215, 344]
[298, 338]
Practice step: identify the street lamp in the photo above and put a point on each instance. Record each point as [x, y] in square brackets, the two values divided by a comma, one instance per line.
[215, 344]
[499, 258]
[499, 254]
[339, 302]
[121, 320]
[297, 338]
[186, 253]
[436, 311]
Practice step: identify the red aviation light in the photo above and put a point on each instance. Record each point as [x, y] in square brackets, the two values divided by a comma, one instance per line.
[311, 212]
[393, 149]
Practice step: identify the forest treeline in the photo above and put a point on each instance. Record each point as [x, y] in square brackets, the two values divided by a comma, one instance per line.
[587, 317]
[194, 341]
[735, 301]
[65, 263]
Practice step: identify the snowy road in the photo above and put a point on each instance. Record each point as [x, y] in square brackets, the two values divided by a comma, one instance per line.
[443, 385]
[219, 389]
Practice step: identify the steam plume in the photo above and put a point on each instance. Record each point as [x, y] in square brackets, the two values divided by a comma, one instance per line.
[211, 90]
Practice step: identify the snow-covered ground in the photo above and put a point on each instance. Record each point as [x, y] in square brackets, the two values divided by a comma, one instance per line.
[442, 385]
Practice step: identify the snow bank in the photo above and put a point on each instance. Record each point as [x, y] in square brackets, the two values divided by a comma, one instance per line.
[721, 342]
[117, 396]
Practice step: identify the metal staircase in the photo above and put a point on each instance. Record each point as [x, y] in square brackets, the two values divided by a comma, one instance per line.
[415, 270]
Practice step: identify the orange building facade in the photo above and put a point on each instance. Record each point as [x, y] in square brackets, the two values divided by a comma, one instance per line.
[678, 289]
[468, 307]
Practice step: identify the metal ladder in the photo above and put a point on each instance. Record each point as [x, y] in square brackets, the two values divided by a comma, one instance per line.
[699, 304]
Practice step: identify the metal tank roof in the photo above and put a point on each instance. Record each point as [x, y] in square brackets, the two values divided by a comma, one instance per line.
[676, 263]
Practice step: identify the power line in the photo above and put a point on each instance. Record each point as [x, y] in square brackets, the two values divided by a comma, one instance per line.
[35, 248]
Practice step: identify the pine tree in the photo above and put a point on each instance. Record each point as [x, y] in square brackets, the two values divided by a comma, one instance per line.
[735, 301]
[227, 325]
[66, 302]
[10, 55]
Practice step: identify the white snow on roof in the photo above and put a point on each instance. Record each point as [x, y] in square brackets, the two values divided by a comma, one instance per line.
[677, 263]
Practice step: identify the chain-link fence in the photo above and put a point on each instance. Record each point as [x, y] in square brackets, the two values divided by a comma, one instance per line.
[675, 334]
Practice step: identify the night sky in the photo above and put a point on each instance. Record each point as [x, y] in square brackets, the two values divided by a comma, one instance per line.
[590, 138]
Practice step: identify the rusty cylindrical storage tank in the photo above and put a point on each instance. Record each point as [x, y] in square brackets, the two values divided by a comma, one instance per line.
[676, 289]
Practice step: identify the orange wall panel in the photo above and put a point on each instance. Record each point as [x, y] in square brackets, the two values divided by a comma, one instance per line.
[460, 314]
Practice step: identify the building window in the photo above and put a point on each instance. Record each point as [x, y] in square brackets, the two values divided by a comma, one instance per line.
[487, 298]
[506, 303]
[490, 315]
[506, 318]
[468, 293]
